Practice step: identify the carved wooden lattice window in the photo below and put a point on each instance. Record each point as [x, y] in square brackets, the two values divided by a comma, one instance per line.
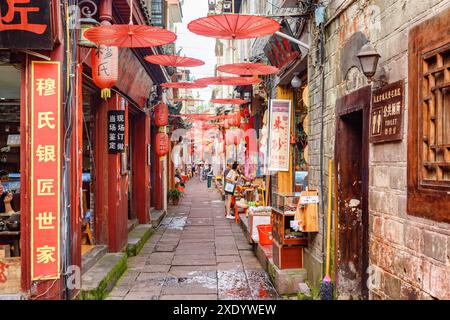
[429, 119]
[436, 117]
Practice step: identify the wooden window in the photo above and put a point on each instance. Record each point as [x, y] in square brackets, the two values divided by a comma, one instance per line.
[429, 119]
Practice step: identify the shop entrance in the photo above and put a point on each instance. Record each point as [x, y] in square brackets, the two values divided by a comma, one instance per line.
[10, 174]
[352, 149]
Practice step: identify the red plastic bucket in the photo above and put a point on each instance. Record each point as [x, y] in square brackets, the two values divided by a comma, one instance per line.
[265, 234]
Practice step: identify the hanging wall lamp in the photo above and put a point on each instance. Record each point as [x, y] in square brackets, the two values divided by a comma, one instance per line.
[369, 60]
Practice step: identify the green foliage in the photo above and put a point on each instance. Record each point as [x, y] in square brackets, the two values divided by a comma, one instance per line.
[174, 194]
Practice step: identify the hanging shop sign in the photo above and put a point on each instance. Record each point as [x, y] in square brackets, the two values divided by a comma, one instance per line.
[279, 135]
[281, 51]
[45, 169]
[386, 116]
[116, 131]
[26, 24]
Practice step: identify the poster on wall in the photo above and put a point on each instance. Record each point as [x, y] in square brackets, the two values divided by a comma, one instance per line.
[279, 135]
[45, 169]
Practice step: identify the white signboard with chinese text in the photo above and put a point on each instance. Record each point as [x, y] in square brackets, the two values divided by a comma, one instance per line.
[279, 135]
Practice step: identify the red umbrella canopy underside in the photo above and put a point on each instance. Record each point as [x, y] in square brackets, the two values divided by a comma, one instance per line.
[130, 36]
[230, 81]
[183, 85]
[248, 69]
[234, 26]
[228, 101]
[174, 61]
[185, 100]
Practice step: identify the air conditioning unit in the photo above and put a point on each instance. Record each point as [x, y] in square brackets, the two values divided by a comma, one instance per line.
[289, 4]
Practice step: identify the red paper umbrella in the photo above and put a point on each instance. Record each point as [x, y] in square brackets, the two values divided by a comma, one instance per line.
[229, 81]
[185, 100]
[174, 61]
[248, 69]
[228, 101]
[234, 26]
[130, 36]
[183, 85]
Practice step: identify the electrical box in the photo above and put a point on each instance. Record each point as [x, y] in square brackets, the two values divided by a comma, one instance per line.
[307, 215]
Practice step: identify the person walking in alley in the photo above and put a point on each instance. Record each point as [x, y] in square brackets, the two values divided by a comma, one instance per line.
[209, 174]
[231, 179]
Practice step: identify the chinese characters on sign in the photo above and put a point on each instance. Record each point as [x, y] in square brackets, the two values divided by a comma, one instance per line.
[386, 115]
[45, 170]
[25, 24]
[116, 131]
[280, 131]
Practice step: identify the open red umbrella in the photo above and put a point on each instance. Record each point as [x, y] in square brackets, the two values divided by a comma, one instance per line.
[130, 35]
[229, 101]
[234, 26]
[174, 61]
[248, 69]
[183, 85]
[229, 81]
[185, 100]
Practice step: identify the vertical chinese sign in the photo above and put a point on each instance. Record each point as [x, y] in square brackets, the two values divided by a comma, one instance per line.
[279, 135]
[45, 170]
[116, 131]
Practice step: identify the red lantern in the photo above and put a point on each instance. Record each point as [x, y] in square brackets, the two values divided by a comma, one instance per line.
[161, 115]
[105, 68]
[233, 136]
[237, 119]
[162, 144]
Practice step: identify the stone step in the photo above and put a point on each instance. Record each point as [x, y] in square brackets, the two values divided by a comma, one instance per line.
[156, 217]
[89, 259]
[97, 282]
[132, 224]
[138, 237]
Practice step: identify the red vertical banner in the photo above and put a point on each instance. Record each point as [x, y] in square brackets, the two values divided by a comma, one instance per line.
[45, 170]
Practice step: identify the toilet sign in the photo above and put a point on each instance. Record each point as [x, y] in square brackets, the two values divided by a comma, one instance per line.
[386, 116]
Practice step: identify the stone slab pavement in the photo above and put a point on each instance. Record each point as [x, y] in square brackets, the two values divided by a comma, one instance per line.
[196, 254]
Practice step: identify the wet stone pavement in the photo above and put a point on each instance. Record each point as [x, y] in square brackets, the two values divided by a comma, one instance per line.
[195, 254]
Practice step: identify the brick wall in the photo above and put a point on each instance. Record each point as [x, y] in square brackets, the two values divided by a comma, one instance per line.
[411, 255]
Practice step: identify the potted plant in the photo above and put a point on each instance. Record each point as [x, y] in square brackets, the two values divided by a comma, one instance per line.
[175, 195]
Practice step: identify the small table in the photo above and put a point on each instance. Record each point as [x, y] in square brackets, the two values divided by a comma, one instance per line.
[12, 238]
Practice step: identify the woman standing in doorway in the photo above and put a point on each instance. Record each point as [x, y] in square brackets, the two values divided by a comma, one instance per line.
[231, 180]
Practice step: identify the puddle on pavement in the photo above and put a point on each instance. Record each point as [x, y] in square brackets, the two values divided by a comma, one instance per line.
[260, 285]
[233, 285]
[195, 278]
[177, 223]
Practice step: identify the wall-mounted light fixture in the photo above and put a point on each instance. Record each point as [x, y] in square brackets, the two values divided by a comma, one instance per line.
[369, 58]
[296, 82]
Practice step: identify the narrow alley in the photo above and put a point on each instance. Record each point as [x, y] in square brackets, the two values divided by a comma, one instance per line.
[195, 254]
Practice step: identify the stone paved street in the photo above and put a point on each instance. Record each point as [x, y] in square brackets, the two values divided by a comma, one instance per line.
[195, 254]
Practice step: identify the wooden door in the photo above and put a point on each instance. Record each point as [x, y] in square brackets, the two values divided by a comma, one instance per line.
[352, 147]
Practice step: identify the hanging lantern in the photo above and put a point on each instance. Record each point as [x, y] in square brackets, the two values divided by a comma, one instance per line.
[161, 115]
[105, 68]
[237, 119]
[162, 144]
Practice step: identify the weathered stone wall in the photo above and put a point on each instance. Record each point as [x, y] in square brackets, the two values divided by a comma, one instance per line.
[411, 255]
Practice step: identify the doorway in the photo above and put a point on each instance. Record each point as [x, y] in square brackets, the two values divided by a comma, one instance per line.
[351, 154]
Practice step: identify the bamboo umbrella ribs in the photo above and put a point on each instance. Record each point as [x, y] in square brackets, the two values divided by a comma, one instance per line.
[174, 61]
[234, 26]
[248, 69]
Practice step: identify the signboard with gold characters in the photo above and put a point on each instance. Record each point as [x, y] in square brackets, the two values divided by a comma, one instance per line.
[386, 116]
[45, 170]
